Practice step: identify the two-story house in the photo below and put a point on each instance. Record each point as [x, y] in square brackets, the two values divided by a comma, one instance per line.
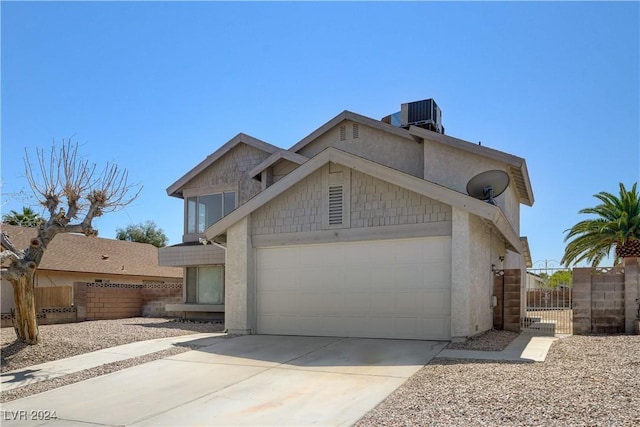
[364, 228]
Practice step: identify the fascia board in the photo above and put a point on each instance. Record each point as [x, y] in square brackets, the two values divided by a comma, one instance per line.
[281, 154]
[412, 183]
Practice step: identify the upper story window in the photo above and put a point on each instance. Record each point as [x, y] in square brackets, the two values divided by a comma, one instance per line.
[203, 211]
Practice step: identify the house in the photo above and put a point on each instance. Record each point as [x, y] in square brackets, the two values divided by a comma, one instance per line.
[362, 229]
[76, 258]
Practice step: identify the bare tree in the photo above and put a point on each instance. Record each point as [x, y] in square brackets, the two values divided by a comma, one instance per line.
[73, 193]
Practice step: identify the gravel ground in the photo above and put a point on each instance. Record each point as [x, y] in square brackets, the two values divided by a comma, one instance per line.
[70, 339]
[491, 340]
[585, 381]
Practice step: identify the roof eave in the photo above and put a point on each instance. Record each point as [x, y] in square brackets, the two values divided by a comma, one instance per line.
[418, 185]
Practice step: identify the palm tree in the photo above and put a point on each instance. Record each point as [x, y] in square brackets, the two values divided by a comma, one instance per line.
[617, 224]
[28, 218]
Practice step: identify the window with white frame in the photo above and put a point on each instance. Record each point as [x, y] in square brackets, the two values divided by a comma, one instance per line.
[203, 211]
[205, 284]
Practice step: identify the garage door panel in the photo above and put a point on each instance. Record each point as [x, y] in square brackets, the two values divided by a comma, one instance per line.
[333, 303]
[308, 303]
[408, 276]
[383, 303]
[383, 289]
[437, 302]
[357, 303]
[437, 274]
[437, 327]
[408, 303]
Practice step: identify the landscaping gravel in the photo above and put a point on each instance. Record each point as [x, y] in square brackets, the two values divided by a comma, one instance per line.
[70, 339]
[585, 381]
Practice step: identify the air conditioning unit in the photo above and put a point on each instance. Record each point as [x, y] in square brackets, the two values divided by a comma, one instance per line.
[425, 114]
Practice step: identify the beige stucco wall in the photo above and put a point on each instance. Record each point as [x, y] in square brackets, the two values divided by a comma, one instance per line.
[485, 250]
[381, 147]
[454, 168]
[239, 281]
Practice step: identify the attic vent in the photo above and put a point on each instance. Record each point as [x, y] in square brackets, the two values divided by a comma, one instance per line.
[343, 133]
[335, 205]
[356, 131]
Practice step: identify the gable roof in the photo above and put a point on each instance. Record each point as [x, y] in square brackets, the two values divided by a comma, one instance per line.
[81, 254]
[516, 166]
[354, 117]
[275, 157]
[174, 189]
[489, 212]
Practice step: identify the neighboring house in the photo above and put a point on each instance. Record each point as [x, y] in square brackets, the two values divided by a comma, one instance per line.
[361, 229]
[73, 258]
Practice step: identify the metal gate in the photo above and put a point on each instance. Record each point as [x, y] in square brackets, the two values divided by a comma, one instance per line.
[547, 301]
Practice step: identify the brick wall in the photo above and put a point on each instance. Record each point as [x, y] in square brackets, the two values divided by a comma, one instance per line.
[118, 301]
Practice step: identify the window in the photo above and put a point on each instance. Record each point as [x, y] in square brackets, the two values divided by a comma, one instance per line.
[205, 284]
[203, 211]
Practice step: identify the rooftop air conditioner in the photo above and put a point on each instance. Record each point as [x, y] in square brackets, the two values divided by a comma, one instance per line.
[425, 114]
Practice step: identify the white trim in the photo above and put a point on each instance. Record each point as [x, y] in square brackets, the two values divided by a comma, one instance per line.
[390, 232]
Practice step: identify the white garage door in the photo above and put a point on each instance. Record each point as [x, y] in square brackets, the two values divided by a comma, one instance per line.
[377, 289]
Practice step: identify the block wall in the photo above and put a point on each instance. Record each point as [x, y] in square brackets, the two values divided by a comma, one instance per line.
[95, 301]
[506, 289]
[598, 301]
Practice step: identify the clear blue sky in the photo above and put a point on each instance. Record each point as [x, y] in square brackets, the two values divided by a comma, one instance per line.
[156, 87]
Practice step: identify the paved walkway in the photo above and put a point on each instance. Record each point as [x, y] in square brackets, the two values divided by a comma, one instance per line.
[527, 347]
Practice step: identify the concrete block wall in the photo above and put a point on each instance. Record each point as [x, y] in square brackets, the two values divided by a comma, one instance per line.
[95, 301]
[599, 301]
[506, 289]
[156, 295]
[113, 301]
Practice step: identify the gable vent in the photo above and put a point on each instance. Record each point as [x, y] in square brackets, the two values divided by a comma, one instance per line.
[335, 205]
[343, 133]
[356, 131]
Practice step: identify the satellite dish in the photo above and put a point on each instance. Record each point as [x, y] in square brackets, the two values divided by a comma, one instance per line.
[487, 185]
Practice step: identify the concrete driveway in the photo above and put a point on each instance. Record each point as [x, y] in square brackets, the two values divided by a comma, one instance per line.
[249, 380]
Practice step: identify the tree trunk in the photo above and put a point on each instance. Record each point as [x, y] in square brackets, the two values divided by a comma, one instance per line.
[25, 322]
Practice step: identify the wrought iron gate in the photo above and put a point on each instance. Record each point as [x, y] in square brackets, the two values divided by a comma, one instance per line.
[547, 301]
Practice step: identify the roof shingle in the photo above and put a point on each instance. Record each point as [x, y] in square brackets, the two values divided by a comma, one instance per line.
[82, 254]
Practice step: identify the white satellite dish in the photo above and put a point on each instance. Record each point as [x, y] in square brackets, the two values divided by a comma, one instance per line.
[488, 185]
